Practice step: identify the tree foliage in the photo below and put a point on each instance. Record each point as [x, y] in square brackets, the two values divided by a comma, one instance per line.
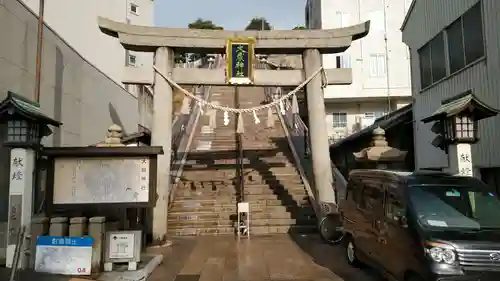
[197, 24]
[204, 24]
[299, 27]
[258, 23]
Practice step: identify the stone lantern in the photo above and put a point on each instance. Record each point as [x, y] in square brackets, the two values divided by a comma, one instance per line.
[379, 154]
[25, 125]
[456, 124]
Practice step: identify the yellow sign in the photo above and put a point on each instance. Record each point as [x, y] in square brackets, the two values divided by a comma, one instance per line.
[240, 54]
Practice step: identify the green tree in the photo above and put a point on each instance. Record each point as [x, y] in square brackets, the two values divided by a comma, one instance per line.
[204, 24]
[258, 23]
[197, 24]
[299, 27]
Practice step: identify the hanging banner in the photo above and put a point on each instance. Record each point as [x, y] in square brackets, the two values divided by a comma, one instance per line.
[240, 55]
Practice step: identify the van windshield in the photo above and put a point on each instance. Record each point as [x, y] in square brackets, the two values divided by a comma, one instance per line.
[452, 206]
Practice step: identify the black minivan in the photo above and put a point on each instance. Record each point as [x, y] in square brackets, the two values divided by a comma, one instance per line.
[417, 226]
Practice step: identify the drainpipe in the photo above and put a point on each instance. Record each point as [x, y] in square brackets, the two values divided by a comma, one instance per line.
[387, 61]
[39, 48]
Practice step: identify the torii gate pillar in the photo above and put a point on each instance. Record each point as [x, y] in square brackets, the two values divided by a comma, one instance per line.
[322, 170]
[162, 136]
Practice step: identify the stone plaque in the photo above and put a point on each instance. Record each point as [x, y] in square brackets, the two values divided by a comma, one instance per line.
[101, 180]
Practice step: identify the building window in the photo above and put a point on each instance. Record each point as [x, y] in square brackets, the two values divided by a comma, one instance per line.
[424, 55]
[377, 65]
[456, 56]
[438, 62]
[343, 61]
[473, 34]
[432, 61]
[339, 120]
[132, 60]
[465, 39]
[134, 9]
[465, 45]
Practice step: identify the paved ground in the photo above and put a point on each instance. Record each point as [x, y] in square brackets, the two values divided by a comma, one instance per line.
[262, 258]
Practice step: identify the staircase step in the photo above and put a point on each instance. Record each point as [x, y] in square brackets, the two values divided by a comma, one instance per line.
[256, 230]
[232, 222]
[184, 190]
[231, 208]
[269, 155]
[252, 198]
[192, 181]
[208, 170]
[190, 216]
[224, 203]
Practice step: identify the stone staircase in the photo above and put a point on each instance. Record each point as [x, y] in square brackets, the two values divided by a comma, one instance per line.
[206, 196]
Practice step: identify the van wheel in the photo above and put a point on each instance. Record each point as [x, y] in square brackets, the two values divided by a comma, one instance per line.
[351, 254]
[330, 230]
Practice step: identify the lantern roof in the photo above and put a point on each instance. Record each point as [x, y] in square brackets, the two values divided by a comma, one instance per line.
[466, 101]
[16, 104]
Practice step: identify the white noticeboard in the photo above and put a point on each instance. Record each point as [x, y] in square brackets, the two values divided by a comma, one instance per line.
[101, 180]
[64, 255]
[121, 246]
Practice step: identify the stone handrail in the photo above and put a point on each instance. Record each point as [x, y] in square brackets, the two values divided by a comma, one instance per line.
[298, 139]
[183, 131]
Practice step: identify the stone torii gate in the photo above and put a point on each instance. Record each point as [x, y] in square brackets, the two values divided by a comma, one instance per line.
[311, 44]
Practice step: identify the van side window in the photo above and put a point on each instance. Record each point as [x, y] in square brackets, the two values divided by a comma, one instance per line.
[371, 196]
[393, 207]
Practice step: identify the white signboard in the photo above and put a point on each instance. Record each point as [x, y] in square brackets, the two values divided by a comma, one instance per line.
[101, 180]
[22, 162]
[64, 255]
[121, 246]
[464, 154]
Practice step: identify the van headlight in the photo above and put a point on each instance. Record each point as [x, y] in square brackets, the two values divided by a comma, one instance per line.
[441, 253]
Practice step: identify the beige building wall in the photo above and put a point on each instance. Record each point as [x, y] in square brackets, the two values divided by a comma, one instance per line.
[380, 62]
[76, 22]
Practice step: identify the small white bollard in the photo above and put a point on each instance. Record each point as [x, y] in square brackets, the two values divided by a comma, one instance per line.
[244, 208]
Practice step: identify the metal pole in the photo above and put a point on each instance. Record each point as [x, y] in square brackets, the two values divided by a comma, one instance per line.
[239, 146]
[386, 47]
[39, 51]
